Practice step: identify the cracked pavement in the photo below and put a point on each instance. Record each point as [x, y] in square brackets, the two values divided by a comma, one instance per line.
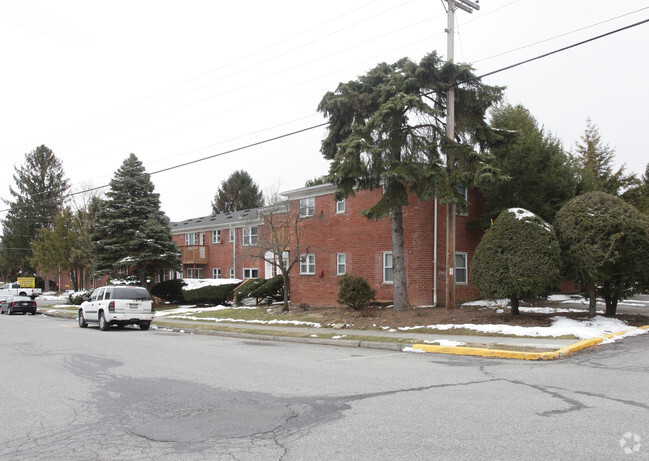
[80, 394]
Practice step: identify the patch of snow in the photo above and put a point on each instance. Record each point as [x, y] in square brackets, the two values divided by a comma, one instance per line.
[446, 342]
[195, 284]
[410, 349]
[338, 337]
[561, 326]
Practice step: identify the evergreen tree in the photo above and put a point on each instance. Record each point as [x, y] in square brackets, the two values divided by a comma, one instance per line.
[605, 244]
[595, 162]
[540, 175]
[386, 130]
[517, 258]
[238, 192]
[131, 233]
[638, 194]
[38, 193]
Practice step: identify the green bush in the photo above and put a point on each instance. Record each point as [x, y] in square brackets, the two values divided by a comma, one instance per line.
[78, 297]
[211, 294]
[170, 290]
[245, 288]
[517, 258]
[273, 287]
[354, 292]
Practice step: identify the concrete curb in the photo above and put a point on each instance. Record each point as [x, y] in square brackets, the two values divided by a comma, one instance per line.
[496, 353]
[560, 353]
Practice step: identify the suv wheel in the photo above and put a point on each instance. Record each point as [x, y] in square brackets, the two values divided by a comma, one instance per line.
[103, 324]
[145, 325]
[82, 320]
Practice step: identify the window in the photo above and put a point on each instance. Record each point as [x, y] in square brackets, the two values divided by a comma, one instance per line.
[340, 206]
[461, 268]
[461, 209]
[307, 207]
[195, 273]
[216, 273]
[388, 271]
[231, 273]
[341, 263]
[191, 238]
[307, 264]
[216, 236]
[250, 273]
[232, 235]
[250, 235]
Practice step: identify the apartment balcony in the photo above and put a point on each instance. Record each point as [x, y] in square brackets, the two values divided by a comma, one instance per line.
[194, 254]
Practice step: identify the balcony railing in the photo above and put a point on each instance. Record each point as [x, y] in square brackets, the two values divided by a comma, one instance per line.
[194, 254]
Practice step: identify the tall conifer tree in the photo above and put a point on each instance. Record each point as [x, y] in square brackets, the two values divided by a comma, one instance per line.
[38, 193]
[131, 234]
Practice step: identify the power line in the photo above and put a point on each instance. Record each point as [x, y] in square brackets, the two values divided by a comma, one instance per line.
[275, 138]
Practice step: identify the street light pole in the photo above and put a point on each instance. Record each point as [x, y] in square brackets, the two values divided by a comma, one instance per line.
[467, 6]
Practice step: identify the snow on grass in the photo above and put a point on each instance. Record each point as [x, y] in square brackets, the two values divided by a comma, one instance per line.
[186, 313]
[195, 284]
[561, 326]
[446, 342]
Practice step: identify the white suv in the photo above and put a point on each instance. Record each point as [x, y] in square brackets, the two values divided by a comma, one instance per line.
[117, 305]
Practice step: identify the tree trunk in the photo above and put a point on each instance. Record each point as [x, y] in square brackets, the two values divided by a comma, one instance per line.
[514, 302]
[400, 286]
[592, 300]
[287, 289]
[611, 306]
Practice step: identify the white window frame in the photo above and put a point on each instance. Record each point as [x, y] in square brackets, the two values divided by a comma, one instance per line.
[464, 269]
[307, 264]
[341, 263]
[248, 273]
[250, 235]
[340, 206]
[194, 272]
[216, 273]
[464, 192]
[231, 236]
[232, 274]
[307, 207]
[388, 268]
[191, 238]
[216, 236]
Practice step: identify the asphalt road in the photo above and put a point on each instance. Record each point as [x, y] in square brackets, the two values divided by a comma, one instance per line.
[80, 394]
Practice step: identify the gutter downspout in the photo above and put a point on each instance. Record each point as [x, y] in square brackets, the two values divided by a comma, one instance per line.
[234, 251]
[435, 256]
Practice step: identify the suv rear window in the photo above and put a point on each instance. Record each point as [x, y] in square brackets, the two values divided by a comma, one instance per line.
[135, 293]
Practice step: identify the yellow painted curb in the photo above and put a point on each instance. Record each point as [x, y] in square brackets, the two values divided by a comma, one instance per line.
[496, 353]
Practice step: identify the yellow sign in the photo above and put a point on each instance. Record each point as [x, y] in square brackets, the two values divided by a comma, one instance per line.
[27, 282]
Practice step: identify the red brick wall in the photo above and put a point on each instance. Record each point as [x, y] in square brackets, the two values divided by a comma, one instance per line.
[364, 241]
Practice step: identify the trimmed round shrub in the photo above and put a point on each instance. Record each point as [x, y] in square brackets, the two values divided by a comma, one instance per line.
[214, 294]
[518, 258]
[354, 292]
[272, 287]
[170, 290]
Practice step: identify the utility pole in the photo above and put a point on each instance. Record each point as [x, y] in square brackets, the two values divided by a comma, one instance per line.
[467, 6]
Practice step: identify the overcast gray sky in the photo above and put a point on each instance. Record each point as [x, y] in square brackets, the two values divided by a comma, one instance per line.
[176, 81]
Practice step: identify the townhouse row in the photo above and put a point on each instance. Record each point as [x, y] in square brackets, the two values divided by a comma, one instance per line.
[336, 239]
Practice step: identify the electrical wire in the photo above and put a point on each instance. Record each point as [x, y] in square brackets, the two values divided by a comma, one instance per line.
[275, 138]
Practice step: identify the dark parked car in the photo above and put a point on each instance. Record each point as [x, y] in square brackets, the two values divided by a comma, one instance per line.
[23, 304]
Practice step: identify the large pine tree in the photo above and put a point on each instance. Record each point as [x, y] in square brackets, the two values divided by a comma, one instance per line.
[595, 162]
[38, 193]
[386, 130]
[131, 233]
[238, 192]
[540, 175]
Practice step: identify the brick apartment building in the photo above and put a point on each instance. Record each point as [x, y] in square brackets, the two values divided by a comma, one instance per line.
[336, 239]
